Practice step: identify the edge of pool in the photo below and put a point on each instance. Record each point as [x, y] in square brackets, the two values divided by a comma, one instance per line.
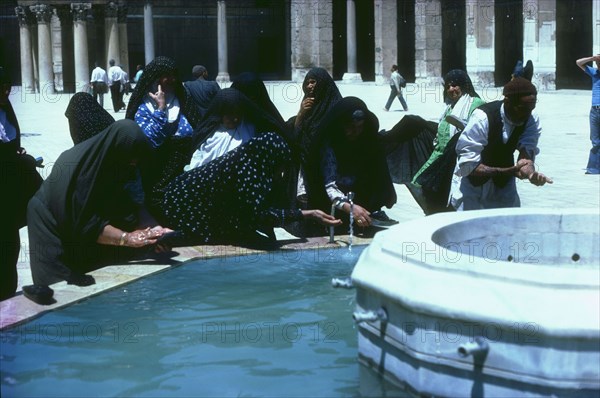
[19, 309]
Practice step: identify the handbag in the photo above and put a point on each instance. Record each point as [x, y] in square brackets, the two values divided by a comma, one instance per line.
[401, 81]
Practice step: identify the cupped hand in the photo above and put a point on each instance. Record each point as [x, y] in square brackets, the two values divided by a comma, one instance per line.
[161, 247]
[145, 237]
[322, 217]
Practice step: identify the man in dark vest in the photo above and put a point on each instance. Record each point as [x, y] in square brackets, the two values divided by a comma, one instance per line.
[486, 149]
[201, 90]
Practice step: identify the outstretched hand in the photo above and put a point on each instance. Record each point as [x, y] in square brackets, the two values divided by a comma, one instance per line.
[147, 237]
[322, 217]
[526, 170]
[539, 179]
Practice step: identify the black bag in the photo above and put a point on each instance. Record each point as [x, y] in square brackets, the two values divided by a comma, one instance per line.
[401, 81]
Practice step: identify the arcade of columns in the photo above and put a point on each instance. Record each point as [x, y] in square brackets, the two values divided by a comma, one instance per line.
[311, 36]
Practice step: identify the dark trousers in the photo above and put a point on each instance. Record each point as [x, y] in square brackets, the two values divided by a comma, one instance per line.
[116, 96]
[98, 90]
[393, 94]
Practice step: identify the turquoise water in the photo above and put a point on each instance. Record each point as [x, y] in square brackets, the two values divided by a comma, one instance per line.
[256, 325]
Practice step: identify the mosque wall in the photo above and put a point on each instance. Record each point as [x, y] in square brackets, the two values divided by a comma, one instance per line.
[59, 40]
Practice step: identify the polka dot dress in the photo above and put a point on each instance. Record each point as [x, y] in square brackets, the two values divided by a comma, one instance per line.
[228, 197]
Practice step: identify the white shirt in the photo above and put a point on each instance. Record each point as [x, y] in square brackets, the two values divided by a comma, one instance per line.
[395, 80]
[99, 75]
[221, 142]
[472, 141]
[115, 73]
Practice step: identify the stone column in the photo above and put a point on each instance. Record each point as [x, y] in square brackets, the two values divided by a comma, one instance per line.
[386, 42]
[428, 42]
[311, 36]
[148, 33]
[46, 75]
[352, 74]
[82, 66]
[34, 56]
[596, 22]
[123, 41]
[112, 34]
[27, 82]
[539, 41]
[480, 42]
[57, 62]
[223, 75]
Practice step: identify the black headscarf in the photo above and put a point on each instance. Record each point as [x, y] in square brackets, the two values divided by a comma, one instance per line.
[345, 111]
[86, 117]
[363, 157]
[461, 78]
[158, 67]
[326, 95]
[254, 88]
[87, 179]
[230, 99]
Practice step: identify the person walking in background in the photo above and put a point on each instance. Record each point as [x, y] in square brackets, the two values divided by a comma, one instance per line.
[593, 165]
[396, 84]
[125, 85]
[201, 90]
[138, 74]
[115, 77]
[99, 82]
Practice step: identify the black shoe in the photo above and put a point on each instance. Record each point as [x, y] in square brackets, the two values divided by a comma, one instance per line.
[380, 219]
[39, 294]
[81, 280]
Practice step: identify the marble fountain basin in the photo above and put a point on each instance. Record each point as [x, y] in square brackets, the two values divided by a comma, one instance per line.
[499, 302]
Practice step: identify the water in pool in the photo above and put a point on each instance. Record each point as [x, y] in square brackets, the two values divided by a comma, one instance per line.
[256, 325]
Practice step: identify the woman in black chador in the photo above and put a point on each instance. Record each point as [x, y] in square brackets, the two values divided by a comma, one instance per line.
[82, 213]
[254, 88]
[168, 116]
[351, 159]
[320, 95]
[234, 191]
[86, 117]
[18, 183]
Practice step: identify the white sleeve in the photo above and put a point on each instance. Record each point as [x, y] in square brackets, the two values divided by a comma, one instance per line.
[471, 143]
[528, 142]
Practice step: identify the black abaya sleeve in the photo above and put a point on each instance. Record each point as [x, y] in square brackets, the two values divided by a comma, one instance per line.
[408, 145]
